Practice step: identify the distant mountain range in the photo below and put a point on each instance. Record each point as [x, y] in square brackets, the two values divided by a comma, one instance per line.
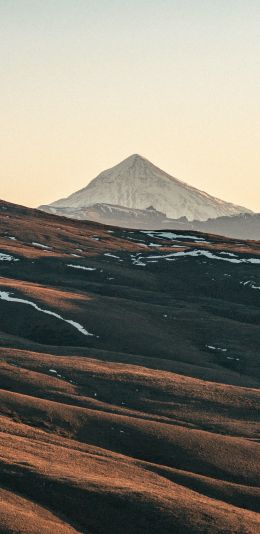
[241, 226]
[137, 184]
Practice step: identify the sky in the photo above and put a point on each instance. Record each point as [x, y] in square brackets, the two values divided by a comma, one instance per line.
[86, 83]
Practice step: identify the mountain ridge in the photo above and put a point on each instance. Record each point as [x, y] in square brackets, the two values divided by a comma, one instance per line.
[241, 226]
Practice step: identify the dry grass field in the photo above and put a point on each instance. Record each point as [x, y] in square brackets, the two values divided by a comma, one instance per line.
[129, 376]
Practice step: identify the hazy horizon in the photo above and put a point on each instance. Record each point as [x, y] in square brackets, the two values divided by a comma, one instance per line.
[85, 85]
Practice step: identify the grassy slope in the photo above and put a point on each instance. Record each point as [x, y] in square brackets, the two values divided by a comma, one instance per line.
[139, 427]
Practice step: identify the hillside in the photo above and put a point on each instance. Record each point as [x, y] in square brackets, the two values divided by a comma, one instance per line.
[129, 379]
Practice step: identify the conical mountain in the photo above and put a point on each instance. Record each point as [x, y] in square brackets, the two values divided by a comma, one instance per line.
[137, 183]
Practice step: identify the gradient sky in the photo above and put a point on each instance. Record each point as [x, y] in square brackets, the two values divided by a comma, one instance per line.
[85, 83]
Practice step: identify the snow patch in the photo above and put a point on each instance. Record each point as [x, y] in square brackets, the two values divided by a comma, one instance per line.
[81, 267]
[5, 295]
[7, 257]
[212, 347]
[208, 254]
[40, 245]
[172, 235]
[250, 284]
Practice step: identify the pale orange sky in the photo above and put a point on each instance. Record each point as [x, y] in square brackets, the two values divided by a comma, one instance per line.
[86, 83]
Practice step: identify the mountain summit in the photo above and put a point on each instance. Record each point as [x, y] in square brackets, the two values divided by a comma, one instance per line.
[137, 183]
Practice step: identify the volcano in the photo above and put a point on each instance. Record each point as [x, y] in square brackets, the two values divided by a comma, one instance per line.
[136, 183]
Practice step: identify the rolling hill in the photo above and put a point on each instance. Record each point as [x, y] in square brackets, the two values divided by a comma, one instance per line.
[129, 379]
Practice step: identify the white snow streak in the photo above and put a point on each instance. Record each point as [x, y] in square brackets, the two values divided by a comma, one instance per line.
[40, 245]
[4, 295]
[172, 235]
[208, 254]
[81, 267]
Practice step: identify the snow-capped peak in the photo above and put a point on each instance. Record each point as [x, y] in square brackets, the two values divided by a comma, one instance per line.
[137, 183]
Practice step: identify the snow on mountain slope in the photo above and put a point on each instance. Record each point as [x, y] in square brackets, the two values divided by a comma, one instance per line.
[137, 183]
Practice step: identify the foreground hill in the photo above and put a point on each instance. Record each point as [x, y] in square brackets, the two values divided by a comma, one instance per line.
[136, 183]
[128, 380]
